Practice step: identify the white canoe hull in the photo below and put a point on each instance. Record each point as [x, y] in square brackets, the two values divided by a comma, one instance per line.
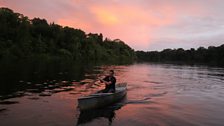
[102, 99]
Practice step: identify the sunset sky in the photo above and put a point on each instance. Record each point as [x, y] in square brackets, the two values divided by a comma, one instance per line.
[142, 24]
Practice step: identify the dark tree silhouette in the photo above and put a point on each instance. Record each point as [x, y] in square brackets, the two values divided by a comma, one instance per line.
[21, 37]
[211, 55]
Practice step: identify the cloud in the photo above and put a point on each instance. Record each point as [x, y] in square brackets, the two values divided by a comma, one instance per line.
[143, 24]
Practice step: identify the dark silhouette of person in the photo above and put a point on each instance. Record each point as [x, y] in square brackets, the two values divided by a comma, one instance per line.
[110, 82]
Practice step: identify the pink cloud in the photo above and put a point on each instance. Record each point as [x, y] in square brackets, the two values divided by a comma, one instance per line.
[140, 23]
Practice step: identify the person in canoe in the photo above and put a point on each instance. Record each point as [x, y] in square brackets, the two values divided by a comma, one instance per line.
[109, 82]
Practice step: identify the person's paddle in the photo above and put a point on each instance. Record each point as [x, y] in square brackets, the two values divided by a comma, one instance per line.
[89, 85]
[103, 81]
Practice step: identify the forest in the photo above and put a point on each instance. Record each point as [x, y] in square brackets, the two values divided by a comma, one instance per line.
[23, 38]
[211, 55]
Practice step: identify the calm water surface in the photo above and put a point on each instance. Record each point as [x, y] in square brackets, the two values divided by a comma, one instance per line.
[158, 95]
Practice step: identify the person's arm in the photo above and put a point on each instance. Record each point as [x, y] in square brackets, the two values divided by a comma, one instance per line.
[102, 80]
[113, 80]
[106, 82]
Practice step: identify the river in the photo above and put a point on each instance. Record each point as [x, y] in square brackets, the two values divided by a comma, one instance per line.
[158, 95]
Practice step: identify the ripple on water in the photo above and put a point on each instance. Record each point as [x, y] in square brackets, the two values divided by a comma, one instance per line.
[156, 94]
[2, 109]
[34, 98]
[8, 102]
[153, 82]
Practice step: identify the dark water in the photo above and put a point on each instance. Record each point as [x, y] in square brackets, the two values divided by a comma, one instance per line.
[158, 95]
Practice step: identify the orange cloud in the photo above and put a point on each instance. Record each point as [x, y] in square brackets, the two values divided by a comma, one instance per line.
[130, 15]
[141, 24]
[75, 24]
[106, 17]
[131, 24]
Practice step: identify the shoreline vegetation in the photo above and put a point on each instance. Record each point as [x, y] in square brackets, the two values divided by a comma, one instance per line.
[23, 38]
[202, 56]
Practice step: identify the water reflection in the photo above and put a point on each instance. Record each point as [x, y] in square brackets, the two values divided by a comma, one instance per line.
[158, 95]
[23, 74]
[40, 76]
[107, 113]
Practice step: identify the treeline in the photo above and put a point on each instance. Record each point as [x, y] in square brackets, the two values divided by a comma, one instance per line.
[21, 37]
[211, 55]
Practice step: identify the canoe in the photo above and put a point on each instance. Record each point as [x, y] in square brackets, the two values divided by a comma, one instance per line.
[99, 100]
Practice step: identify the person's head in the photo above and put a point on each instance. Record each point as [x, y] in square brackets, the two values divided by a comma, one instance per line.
[111, 73]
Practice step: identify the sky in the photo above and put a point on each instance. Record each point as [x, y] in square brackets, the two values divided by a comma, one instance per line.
[142, 24]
